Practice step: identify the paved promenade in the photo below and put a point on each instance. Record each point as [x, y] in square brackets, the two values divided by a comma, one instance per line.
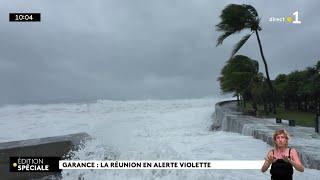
[304, 139]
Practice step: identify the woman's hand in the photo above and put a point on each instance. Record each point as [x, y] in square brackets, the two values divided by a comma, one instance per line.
[286, 159]
[294, 160]
[270, 159]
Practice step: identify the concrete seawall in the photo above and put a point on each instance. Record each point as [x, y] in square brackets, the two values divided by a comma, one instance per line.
[304, 139]
[58, 146]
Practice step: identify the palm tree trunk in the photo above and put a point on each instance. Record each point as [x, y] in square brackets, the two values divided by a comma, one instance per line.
[267, 73]
[238, 100]
[319, 106]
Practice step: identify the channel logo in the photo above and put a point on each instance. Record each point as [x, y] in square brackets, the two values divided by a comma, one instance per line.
[292, 19]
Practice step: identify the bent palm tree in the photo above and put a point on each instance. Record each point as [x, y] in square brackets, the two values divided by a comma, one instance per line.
[235, 18]
[237, 75]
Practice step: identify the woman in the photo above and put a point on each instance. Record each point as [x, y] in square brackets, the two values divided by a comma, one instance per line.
[282, 158]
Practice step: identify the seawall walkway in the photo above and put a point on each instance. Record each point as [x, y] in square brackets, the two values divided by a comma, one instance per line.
[304, 139]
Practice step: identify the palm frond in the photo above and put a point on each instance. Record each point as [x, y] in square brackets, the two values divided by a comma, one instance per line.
[240, 44]
[223, 37]
[251, 9]
[233, 18]
[258, 22]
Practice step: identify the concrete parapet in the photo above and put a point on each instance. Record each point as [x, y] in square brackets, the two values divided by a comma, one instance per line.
[304, 139]
[58, 146]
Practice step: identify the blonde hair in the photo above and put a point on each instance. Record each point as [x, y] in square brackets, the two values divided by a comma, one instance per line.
[278, 132]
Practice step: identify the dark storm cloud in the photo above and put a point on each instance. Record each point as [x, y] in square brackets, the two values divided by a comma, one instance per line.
[138, 49]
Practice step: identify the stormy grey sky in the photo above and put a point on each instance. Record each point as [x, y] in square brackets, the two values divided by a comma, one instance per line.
[139, 49]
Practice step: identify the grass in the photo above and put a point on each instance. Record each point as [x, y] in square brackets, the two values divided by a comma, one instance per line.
[301, 118]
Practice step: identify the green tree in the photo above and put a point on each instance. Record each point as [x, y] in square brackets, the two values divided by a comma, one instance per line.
[316, 86]
[237, 75]
[235, 18]
[318, 66]
[279, 84]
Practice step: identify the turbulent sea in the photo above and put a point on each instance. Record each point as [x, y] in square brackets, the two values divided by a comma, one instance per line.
[140, 130]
